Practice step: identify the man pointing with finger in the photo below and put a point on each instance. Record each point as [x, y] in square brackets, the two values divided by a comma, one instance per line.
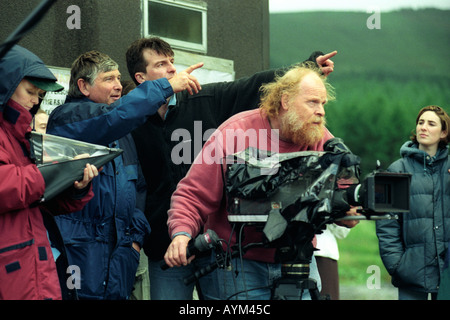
[183, 115]
[104, 239]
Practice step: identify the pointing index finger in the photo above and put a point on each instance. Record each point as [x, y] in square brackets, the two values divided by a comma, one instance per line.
[329, 55]
[194, 67]
[322, 59]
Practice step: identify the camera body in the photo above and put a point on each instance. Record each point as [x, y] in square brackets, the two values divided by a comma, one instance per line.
[318, 183]
[291, 197]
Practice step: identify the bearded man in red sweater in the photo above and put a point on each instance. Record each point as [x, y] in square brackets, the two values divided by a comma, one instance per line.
[291, 118]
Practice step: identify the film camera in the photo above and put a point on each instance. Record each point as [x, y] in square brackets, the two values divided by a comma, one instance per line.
[328, 180]
[292, 197]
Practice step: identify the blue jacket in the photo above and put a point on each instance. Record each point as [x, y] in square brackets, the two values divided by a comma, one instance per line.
[99, 238]
[413, 248]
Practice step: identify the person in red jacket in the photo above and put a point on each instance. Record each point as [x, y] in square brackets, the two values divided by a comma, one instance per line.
[28, 266]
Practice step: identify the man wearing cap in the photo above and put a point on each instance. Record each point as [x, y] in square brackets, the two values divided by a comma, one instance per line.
[28, 266]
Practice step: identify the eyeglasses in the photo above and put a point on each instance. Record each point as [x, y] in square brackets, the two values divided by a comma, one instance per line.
[41, 95]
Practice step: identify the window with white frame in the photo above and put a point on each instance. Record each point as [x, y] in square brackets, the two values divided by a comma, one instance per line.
[182, 23]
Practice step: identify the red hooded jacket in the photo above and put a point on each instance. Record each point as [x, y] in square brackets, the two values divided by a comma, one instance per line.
[27, 267]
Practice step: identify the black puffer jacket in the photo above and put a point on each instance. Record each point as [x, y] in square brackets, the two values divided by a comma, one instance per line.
[413, 247]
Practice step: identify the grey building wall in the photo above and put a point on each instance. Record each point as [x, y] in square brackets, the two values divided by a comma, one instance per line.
[237, 30]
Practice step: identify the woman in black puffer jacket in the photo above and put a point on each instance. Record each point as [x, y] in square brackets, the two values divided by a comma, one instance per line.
[413, 247]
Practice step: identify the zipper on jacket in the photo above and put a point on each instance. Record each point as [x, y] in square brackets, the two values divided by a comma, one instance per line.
[17, 246]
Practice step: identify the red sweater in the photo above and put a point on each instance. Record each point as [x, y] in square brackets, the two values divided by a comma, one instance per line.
[197, 200]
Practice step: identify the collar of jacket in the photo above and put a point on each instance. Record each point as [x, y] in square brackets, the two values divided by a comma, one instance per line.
[411, 149]
[17, 120]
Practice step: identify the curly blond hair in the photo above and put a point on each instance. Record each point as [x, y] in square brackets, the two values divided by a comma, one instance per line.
[272, 92]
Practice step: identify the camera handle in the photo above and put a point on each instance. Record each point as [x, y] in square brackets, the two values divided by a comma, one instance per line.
[294, 278]
[294, 275]
[367, 216]
[220, 262]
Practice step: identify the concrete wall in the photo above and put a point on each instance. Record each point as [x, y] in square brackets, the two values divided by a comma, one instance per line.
[237, 30]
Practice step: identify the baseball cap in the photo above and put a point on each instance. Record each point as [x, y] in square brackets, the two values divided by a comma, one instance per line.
[45, 84]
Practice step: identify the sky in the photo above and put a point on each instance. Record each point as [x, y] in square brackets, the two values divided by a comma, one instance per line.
[353, 5]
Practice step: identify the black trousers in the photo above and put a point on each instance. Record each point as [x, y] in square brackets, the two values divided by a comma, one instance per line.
[328, 270]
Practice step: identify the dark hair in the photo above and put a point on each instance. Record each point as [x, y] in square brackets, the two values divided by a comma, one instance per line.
[445, 123]
[87, 66]
[127, 86]
[135, 57]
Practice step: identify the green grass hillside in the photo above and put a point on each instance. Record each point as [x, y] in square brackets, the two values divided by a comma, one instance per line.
[409, 43]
